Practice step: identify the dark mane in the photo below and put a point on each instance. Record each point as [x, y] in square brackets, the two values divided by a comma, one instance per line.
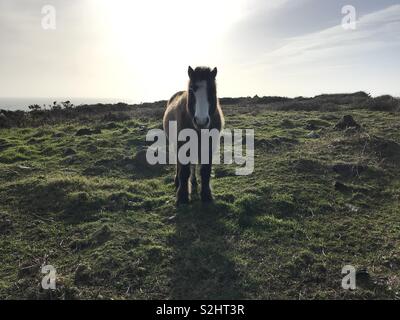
[202, 73]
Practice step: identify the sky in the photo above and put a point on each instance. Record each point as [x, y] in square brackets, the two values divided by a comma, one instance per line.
[140, 50]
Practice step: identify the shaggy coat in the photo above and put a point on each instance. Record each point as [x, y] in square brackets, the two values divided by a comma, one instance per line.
[196, 108]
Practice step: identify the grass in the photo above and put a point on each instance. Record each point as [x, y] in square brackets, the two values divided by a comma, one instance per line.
[110, 227]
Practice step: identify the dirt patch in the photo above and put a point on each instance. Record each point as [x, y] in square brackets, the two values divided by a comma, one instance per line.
[349, 169]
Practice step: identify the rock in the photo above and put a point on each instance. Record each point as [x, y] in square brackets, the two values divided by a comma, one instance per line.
[313, 135]
[347, 122]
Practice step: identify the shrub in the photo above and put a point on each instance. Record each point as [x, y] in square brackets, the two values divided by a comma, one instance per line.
[382, 103]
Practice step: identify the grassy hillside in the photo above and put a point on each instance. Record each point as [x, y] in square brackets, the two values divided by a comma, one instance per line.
[84, 202]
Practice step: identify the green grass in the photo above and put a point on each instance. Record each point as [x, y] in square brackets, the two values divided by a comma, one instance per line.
[110, 227]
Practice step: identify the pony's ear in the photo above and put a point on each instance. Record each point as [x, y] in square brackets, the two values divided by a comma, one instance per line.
[190, 72]
[214, 72]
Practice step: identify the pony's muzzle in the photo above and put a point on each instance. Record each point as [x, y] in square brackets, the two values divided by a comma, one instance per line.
[201, 122]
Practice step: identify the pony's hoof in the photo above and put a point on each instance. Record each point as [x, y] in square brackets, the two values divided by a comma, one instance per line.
[182, 198]
[182, 202]
[206, 197]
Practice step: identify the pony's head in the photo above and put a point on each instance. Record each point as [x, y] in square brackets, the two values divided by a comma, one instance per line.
[202, 97]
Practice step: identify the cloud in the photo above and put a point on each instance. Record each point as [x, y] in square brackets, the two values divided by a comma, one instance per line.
[377, 30]
[327, 61]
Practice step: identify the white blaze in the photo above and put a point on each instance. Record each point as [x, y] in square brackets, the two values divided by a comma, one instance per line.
[202, 105]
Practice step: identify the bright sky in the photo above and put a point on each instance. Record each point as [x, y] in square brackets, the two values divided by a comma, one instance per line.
[140, 50]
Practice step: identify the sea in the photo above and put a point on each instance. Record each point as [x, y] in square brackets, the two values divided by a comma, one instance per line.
[23, 103]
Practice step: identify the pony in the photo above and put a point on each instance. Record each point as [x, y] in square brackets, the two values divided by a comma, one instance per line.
[196, 108]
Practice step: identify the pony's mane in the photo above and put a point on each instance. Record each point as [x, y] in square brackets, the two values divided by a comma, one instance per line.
[202, 73]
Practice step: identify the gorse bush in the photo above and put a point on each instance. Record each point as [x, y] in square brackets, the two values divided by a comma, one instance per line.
[382, 103]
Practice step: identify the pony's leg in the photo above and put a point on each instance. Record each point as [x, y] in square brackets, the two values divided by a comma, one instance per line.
[182, 194]
[205, 173]
[205, 193]
[176, 180]
[193, 178]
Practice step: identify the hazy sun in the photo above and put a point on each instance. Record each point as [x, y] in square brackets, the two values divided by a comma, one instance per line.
[156, 36]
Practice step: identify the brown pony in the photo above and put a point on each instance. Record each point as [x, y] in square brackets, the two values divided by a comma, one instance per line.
[197, 108]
